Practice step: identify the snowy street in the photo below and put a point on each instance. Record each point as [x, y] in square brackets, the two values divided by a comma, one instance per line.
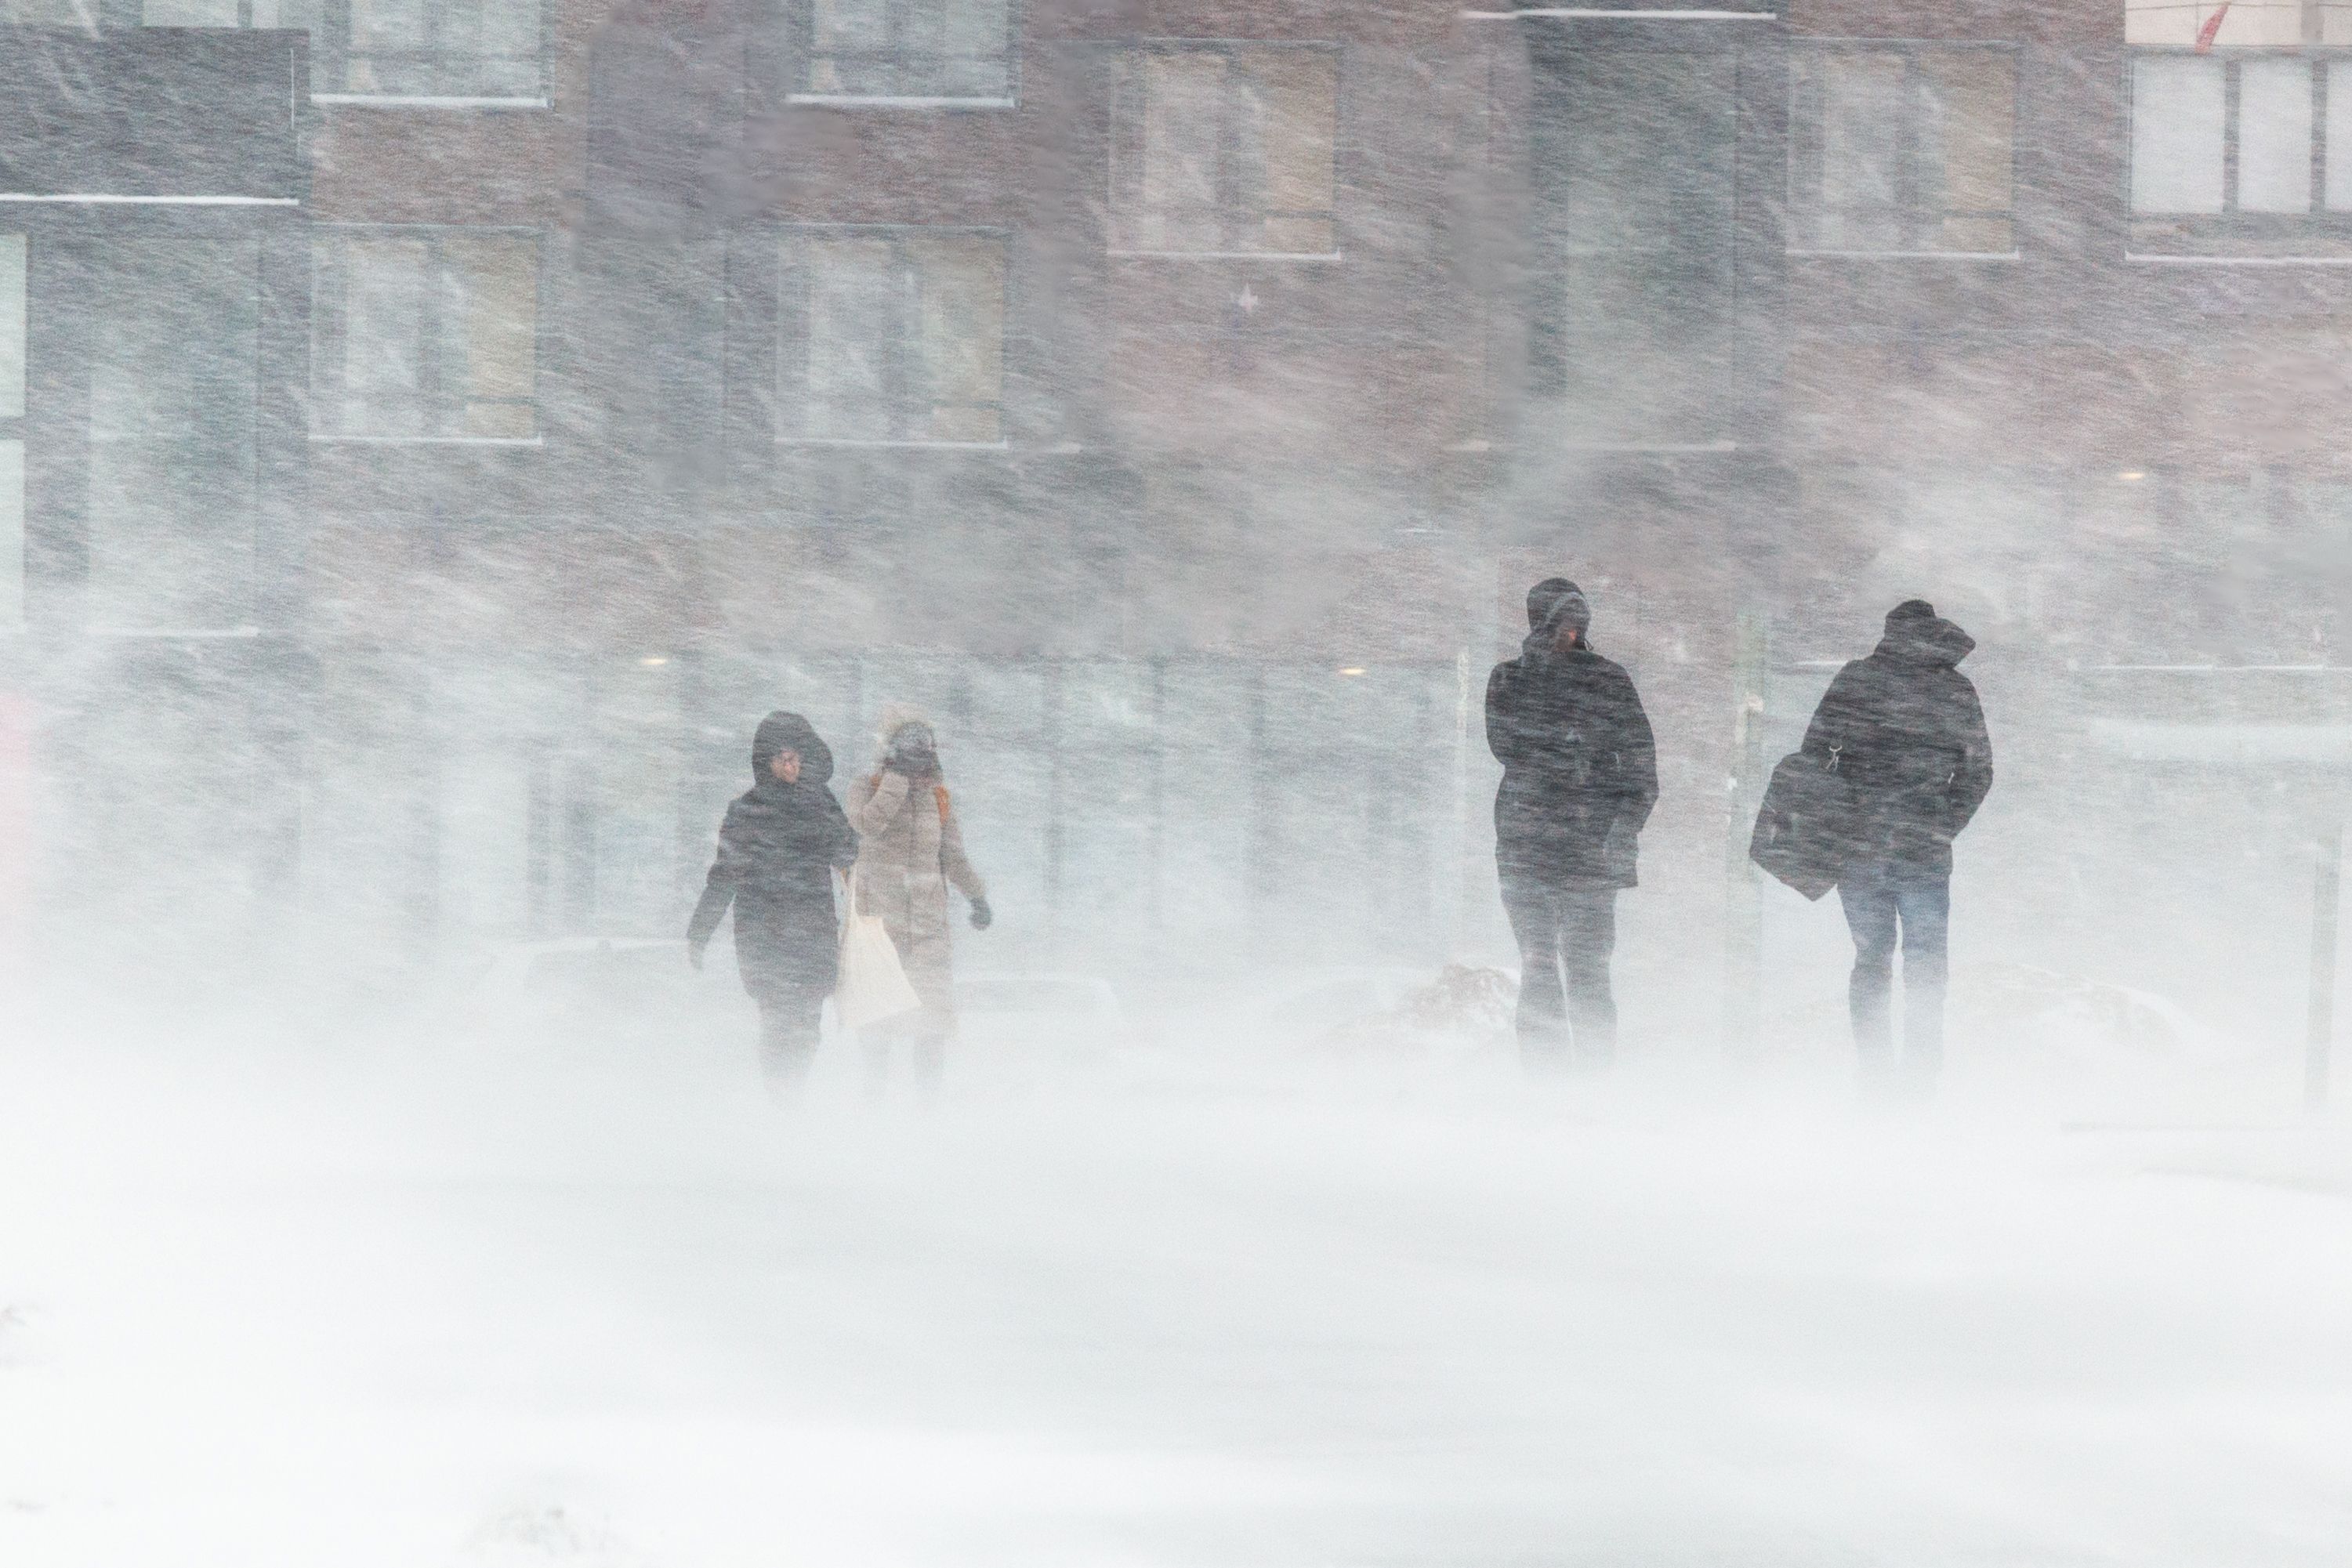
[280, 1314]
[1175, 784]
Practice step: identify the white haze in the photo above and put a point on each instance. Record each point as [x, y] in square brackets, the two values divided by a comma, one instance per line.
[1217, 1302]
[320, 714]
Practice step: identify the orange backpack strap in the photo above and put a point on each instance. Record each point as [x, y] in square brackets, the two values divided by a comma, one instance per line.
[941, 791]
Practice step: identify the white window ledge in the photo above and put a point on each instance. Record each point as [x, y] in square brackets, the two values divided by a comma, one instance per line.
[894, 100]
[319, 440]
[925, 445]
[2241, 744]
[1581, 13]
[172, 632]
[1655, 449]
[1282, 256]
[423, 100]
[2162, 260]
[1913, 254]
[97, 199]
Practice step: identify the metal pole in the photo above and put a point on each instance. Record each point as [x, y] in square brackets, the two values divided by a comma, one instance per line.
[2321, 1041]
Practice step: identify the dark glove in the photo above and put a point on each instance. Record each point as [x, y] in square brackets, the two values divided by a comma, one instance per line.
[981, 915]
[913, 752]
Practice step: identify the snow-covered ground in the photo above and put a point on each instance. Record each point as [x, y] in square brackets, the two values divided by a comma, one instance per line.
[417, 1304]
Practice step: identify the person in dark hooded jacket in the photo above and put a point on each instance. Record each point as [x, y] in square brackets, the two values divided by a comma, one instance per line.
[1903, 728]
[1579, 777]
[778, 849]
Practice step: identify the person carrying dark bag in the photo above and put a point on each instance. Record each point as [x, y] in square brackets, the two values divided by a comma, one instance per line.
[1579, 777]
[1903, 733]
[778, 848]
[1805, 824]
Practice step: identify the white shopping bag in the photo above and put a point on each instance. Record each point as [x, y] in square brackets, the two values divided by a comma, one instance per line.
[873, 983]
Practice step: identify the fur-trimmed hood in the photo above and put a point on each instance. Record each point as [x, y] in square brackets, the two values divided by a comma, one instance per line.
[895, 717]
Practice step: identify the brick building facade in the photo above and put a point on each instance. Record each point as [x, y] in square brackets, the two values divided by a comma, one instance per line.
[1175, 396]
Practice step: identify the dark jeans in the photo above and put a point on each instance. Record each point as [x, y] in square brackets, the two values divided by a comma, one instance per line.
[788, 1031]
[1879, 901]
[1567, 927]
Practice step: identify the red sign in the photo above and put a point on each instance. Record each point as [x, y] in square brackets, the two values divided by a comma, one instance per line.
[2212, 25]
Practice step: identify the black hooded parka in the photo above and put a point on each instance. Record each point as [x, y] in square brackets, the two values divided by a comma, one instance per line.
[777, 852]
[1579, 765]
[1908, 737]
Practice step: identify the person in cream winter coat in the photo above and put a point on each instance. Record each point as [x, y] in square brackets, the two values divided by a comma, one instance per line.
[910, 851]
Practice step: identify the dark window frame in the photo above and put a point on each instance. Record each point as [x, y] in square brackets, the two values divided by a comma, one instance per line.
[1689, 246]
[1127, 110]
[101, 13]
[901, 372]
[800, 31]
[2232, 224]
[328, 316]
[1915, 220]
[332, 52]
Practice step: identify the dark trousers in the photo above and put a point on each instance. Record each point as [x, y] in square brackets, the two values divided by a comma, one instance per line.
[1567, 931]
[1881, 902]
[788, 1031]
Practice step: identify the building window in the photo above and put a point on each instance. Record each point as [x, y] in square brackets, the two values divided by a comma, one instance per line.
[81, 14]
[1631, 318]
[415, 48]
[892, 336]
[1897, 151]
[425, 334]
[953, 49]
[220, 14]
[2251, 139]
[1224, 149]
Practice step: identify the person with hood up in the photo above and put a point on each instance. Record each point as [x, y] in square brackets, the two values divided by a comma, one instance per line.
[1579, 777]
[1903, 728]
[778, 849]
[910, 851]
